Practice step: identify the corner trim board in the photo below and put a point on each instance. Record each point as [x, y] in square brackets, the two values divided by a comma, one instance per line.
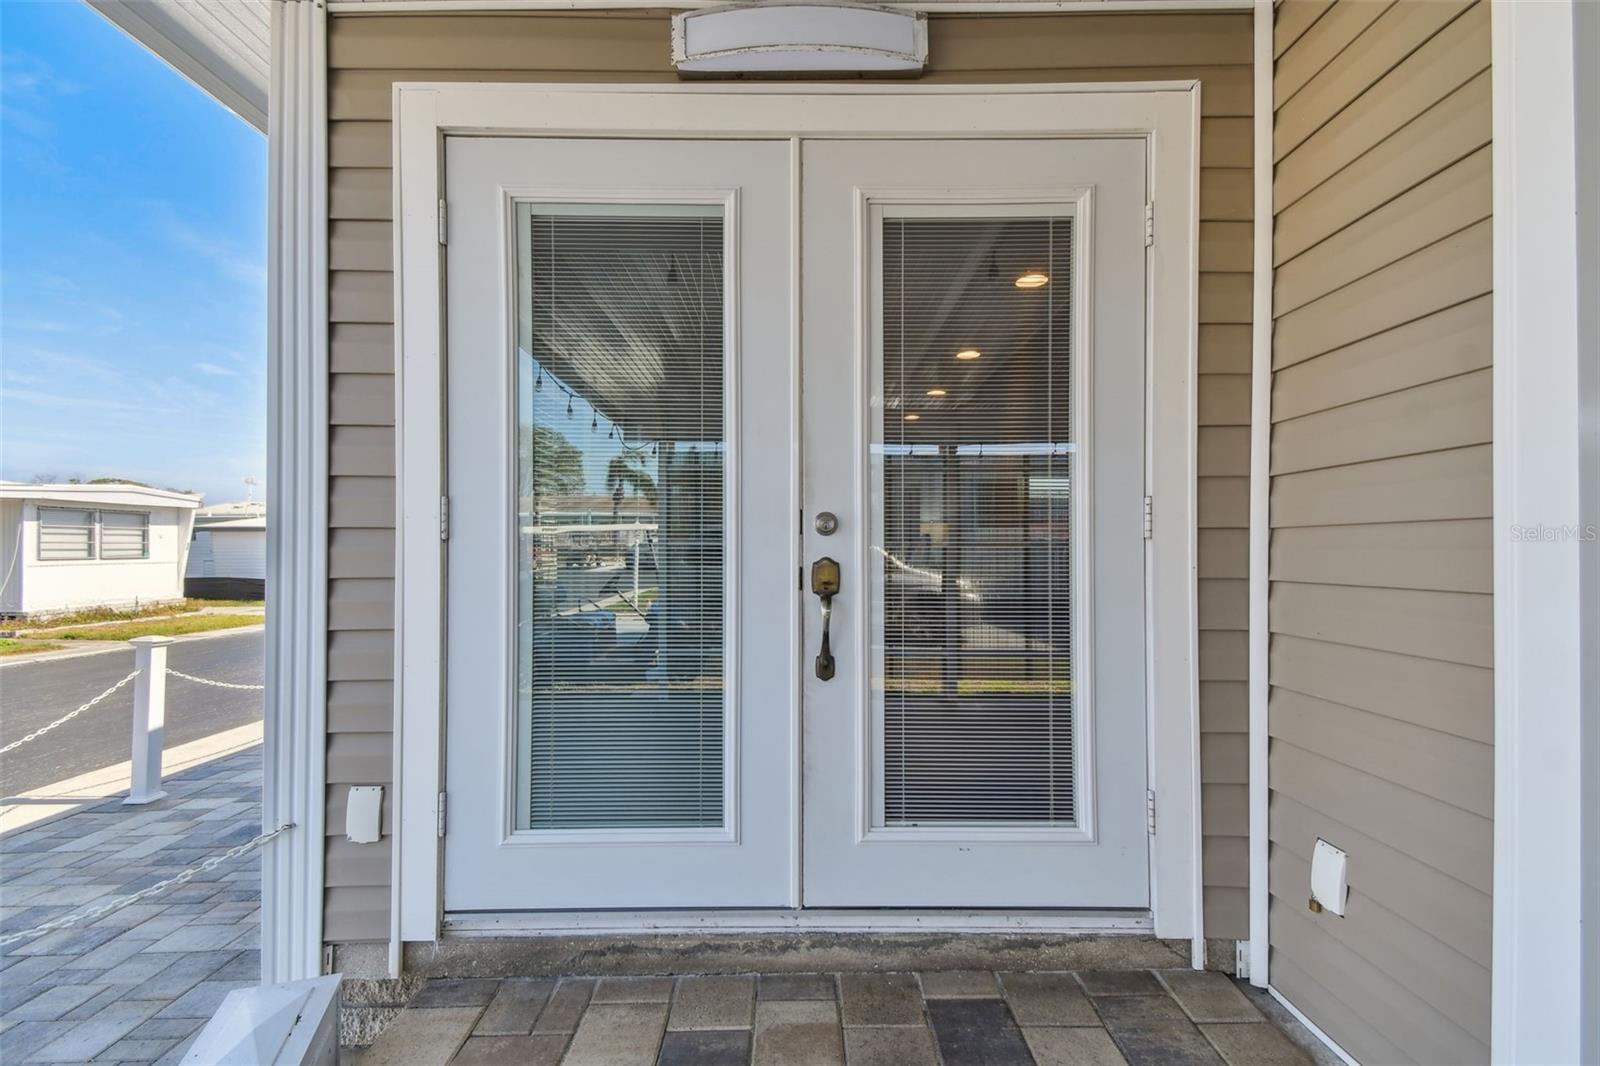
[1260, 498]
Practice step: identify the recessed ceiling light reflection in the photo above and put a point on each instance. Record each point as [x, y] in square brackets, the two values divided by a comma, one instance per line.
[966, 355]
[1032, 279]
[936, 392]
[913, 417]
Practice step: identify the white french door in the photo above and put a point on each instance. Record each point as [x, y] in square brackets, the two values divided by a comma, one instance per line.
[973, 381]
[618, 445]
[623, 652]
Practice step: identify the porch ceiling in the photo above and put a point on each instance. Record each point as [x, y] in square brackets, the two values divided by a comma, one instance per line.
[223, 46]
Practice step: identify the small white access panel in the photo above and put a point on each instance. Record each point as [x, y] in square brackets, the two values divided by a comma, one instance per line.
[1329, 877]
[363, 818]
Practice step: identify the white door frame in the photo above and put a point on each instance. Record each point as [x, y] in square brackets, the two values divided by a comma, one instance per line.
[1167, 114]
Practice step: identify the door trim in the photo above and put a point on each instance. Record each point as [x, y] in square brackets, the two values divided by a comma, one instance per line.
[1165, 114]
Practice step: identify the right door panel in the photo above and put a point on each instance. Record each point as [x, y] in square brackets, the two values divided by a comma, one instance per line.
[973, 374]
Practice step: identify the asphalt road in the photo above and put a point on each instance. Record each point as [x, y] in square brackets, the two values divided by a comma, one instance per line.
[35, 694]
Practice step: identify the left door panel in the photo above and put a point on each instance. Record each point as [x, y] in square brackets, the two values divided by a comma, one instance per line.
[619, 412]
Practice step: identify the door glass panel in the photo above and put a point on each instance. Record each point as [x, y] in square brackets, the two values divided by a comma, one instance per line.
[620, 489]
[972, 462]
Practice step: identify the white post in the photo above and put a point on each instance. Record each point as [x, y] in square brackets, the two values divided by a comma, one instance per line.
[1544, 167]
[149, 717]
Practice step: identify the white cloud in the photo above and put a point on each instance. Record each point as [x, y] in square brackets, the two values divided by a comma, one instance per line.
[90, 320]
[47, 398]
[229, 259]
[25, 75]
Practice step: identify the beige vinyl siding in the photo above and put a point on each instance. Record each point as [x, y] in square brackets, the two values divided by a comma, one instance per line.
[368, 53]
[1382, 716]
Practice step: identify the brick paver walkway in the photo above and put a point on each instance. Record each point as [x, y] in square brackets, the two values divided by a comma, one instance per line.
[1096, 1018]
[136, 985]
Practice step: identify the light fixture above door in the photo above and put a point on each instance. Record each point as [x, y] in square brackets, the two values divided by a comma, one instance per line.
[799, 38]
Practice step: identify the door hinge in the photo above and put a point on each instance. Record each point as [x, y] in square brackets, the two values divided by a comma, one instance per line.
[444, 518]
[1150, 811]
[442, 797]
[444, 228]
[1149, 517]
[1241, 959]
[1149, 224]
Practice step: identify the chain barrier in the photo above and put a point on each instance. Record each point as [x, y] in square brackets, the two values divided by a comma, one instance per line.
[67, 921]
[88, 914]
[64, 719]
[214, 684]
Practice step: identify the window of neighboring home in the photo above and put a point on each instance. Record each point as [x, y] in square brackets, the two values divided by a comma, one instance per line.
[73, 533]
[66, 534]
[124, 535]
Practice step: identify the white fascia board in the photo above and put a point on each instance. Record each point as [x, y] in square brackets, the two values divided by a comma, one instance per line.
[98, 495]
[230, 74]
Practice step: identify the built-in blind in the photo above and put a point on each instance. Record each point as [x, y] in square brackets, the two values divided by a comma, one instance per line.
[973, 487]
[621, 468]
[124, 535]
[66, 533]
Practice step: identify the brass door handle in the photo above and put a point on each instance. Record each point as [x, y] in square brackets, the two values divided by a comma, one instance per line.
[825, 583]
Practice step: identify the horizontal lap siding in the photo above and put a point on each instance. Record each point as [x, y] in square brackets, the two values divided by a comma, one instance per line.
[1382, 716]
[367, 54]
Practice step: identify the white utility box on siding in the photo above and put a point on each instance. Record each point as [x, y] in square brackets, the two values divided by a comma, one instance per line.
[1330, 878]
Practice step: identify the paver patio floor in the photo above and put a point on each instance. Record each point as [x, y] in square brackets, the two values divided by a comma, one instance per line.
[136, 985]
[964, 1018]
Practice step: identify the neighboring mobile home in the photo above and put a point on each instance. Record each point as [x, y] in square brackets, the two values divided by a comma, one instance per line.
[228, 559]
[1132, 445]
[69, 547]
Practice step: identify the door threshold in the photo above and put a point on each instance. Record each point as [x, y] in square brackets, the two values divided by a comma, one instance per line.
[864, 920]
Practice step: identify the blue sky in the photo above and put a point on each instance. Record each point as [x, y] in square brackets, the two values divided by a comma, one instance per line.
[132, 263]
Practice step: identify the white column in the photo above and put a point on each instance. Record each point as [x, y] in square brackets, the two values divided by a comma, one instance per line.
[297, 401]
[1538, 997]
[149, 717]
